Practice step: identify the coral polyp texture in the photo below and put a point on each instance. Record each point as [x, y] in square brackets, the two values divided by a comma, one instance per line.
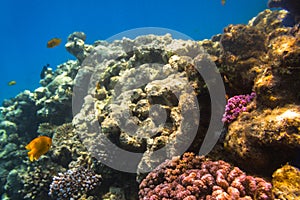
[74, 183]
[235, 106]
[195, 177]
[286, 182]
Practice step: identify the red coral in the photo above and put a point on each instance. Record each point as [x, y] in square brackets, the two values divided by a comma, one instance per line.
[199, 178]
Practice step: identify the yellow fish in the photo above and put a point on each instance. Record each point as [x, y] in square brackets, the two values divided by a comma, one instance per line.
[223, 2]
[10, 83]
[53, 42]
[38, 146]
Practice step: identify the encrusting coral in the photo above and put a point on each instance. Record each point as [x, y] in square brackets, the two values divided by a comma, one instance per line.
[194, 178]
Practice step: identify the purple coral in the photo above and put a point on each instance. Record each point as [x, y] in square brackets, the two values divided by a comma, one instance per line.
[235, 106]
[196, 178]
[73, 183]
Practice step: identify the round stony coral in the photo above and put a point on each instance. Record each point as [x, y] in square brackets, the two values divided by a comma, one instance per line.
[195, 177]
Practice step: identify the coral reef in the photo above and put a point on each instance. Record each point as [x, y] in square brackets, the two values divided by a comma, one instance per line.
[286, 182]
[76, 46]
[36, 180]
[235, 106]
[144, 96]
[193, 177]
[151, 77]
[74, 183]
[49, 103]
[271, 125]
[293, 6]
[21, 118]
[270, 132]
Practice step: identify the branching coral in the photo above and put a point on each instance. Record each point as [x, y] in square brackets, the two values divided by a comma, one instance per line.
[74, 183]
[235, 106]
[194, 177]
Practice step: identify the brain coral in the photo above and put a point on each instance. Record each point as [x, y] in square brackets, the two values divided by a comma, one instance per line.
[194, 177]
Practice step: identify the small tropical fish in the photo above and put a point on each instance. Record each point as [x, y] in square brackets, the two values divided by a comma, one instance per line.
[53, 42]
[42, 74]
[223, 2]
[10, 83]
[38, 146]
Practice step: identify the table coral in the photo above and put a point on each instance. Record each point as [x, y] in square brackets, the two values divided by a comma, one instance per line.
[194, 177]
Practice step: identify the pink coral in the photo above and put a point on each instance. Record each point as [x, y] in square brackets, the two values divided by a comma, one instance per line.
[194, 177]
[235, 106]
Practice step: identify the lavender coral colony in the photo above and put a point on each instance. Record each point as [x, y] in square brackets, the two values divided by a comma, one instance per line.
[73, 183]
[235, 106]
[194, 178]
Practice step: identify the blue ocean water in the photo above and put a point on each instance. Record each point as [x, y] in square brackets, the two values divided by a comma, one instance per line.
[26, 26]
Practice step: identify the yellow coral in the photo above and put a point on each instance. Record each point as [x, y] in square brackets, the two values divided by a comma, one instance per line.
[286, 182]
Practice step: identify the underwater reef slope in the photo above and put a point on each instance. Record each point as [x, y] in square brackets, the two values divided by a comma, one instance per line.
[144, 96]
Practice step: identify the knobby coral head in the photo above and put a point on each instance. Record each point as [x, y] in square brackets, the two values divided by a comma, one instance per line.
[200, 178]
[74, 183]
[235, 106]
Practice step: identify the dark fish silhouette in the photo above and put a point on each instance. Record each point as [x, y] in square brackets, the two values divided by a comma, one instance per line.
[42, 74]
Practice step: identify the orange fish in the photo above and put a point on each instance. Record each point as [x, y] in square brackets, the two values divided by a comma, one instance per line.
[53, 42]
[223, 2]
[38, 146]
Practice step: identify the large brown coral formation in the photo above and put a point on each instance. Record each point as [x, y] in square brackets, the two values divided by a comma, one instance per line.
[243, 47]
[258, 135]
[272, 125]
[279, 82]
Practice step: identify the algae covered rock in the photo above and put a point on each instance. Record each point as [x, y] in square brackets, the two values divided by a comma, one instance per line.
[293, 6]
[270, 124]
[259, 135]
[286, 182]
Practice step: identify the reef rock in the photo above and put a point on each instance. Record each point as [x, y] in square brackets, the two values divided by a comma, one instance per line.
[259, 135]
[140, 95]
[271, 124]
[293, 6]
[286, 182]
[76, 46]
